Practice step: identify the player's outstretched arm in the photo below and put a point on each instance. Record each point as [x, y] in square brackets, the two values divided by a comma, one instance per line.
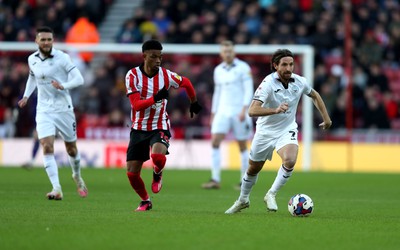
[320, 105]
[195, 107]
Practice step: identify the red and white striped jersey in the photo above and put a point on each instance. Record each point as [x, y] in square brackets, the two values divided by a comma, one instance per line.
[155, 116]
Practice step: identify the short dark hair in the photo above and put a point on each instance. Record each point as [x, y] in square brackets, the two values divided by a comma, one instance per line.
[227, 43]
[278, 55]
[44, 29]
[151, 44]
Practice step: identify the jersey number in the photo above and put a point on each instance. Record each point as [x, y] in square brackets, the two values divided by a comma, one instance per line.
[164, 137]
[293, 137]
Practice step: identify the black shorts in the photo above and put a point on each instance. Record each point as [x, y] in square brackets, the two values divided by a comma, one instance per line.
[141, 141]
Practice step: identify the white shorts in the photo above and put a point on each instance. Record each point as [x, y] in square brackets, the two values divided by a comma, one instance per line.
[222, 124]
[263, 146]
[63, 123]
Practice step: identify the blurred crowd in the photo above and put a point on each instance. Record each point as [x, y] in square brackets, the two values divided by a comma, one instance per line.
[375, 32]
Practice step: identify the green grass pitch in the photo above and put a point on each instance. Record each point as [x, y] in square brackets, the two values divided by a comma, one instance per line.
[352, 211]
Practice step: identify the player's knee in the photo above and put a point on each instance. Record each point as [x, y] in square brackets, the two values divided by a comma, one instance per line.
[48, 148]
[159, 160]
[133, 175]
[254, 167]
[71, 151]
[215, 143]
[289, 163]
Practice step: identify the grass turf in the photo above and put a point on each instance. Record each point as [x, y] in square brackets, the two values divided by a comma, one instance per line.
[352, 211]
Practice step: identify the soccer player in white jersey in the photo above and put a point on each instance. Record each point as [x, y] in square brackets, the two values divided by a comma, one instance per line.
[232, 96]
[275, 104]
[147, 88]
[53, 74]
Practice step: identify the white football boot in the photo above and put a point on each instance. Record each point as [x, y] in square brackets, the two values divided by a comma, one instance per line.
[80, 184]
[270, 201]
[237, 207]
[55, 195]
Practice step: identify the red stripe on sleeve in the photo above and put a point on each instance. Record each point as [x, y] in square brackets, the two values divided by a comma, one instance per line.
[187, 85]
[132, 78]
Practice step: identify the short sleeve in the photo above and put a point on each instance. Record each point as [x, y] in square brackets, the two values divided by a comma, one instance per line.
[131, 82]
[262, 92]
[307, 87]
[174, 80]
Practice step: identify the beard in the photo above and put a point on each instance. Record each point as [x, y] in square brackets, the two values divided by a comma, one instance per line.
[46, 52]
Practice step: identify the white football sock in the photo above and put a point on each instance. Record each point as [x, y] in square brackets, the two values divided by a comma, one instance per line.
[50, 165]
[216, 164]
[248, 182]
[244, 156]
[281, 178]
[75, 163]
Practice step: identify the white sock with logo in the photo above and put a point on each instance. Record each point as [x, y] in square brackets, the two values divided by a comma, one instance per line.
[75, 163]
[50, 165]
[281, 178]
[248, 182]
[245, 163]
[216, 164]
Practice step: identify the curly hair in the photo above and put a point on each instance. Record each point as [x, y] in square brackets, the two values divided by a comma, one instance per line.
[278, 55]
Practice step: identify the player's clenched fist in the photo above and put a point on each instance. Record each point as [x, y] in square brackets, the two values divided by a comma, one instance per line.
[282, 108]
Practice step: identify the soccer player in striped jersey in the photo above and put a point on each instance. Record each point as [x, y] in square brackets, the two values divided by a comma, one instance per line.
[232, 96]
[275, 104]
[53, 74]
[147, 89]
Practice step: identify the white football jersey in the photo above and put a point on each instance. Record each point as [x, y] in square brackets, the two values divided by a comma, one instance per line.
[272, 93]
[233, 87]
[42, 72]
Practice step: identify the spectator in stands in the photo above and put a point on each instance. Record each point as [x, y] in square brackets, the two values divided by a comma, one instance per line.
[129, 33]
[83, 31]
[9, 32]
[103, 82]
[375, 116]
[7, 128]
[252, 19]
[148, 29]
[391, 106]
[322, 39]
[91, 103]
[369, 51]
[55, 22]
[161, 20]
[90, 8]
[377, 79]
[21, 20]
